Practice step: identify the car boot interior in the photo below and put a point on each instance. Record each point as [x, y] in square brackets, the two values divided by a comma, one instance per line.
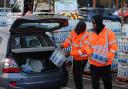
[34, 62]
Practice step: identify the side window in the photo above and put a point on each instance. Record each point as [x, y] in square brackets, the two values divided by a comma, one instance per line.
[15, 43]
[32, 41]
[46, 42]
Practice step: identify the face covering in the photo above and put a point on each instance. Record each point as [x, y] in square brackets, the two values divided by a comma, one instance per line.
[99, 23]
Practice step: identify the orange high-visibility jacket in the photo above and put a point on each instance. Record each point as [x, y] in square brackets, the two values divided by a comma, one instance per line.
[79, 45]
[105, 36]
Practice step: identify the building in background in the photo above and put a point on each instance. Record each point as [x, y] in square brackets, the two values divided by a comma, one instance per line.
[116, 4]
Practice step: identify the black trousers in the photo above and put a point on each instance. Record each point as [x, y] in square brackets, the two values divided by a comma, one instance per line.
[78, 69]
[101, 72]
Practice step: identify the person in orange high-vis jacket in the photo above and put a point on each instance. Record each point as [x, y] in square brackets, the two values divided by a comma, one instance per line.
[78, 40]
[104, 45]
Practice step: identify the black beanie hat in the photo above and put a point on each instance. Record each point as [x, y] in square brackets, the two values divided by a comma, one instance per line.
[81, 25]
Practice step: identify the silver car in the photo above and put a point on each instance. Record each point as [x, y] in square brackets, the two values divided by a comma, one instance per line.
[5, 11]
[25, 52]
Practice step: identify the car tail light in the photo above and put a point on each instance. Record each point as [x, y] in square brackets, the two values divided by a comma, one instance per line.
[10, 66]
[12, 83]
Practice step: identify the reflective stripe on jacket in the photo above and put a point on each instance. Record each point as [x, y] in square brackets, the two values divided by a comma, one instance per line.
[79, 48]
[105, 38]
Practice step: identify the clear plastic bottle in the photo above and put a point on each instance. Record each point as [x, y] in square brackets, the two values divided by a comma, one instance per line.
[57, 55]
[119, 70]
[60, 60]
[105, 52]
[94, 54]
[53, 55]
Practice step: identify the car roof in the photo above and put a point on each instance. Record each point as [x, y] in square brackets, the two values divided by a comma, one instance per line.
[103, 9]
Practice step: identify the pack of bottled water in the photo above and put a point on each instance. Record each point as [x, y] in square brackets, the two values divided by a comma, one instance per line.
[58, 57]
[122, 53]
[123, 70]
[60, 36]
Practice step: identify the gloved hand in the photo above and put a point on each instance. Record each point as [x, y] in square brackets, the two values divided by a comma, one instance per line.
[67, 54]
[69, 62]
[61, 45]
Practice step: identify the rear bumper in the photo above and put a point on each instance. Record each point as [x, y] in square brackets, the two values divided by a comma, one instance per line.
[43, 81]
[37, 85]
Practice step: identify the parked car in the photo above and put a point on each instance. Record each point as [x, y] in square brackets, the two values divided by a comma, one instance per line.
[83, 11]
[125, 19]
[5, 11]
[25, 51]
[123, 14]
[106, 13]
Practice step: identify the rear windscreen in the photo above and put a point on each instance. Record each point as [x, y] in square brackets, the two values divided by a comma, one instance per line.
[31, 42]
[40, 25]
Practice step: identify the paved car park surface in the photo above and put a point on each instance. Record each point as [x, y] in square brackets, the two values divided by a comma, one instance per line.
[87, 84]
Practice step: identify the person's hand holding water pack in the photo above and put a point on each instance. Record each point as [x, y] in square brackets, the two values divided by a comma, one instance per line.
[67, 54]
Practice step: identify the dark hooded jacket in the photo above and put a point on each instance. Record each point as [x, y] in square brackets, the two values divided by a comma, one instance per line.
[99, 23]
